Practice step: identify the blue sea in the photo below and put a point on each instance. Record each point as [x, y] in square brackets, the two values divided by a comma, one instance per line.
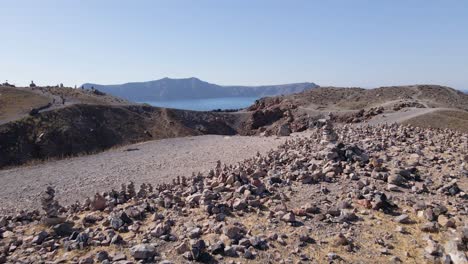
[206, 104]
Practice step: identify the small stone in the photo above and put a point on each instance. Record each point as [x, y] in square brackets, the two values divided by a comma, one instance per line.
[195, 233]
[401, 229]
[116, 223]
[197, 249]
[395, 179]
[306, 238]
[230, 252]
[117, 239]
[431, 227]
[289, 217]
[432, 248]
[429, 214]
[161, 229]
[119, 256]
[39, 238]
[234, 232]
[98, 202]
[258, 242]
[86, 260]
[239, 204]
[446, 222]
[63, 229]
[284, 130]
[393, 187]
[403, 219]
[347, 216]
[143, 251]
[340, 240]
[102, 255]
[245, 242]
[332, 256]
[248, 254]
[182, 248]
[217, 248]
[3, 221]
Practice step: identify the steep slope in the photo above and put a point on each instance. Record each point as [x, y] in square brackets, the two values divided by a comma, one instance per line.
[193, 88]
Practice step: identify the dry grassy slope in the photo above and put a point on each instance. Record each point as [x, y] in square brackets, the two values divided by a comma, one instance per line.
[90, 128]
[457, 120]
[84, 96]
[15, 102]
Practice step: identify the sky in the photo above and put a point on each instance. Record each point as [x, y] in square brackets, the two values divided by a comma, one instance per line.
[235, 42]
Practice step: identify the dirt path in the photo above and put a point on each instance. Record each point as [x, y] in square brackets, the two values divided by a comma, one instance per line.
[154, 162]
[400, 116]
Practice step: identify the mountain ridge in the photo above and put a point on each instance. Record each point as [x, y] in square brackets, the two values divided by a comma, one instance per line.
[194, 88]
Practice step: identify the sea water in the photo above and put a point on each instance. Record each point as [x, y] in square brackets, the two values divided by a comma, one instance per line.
[206, 104]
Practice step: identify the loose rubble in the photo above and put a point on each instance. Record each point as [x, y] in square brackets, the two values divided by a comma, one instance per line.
[383, 194]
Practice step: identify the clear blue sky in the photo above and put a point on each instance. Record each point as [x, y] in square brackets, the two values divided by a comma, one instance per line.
[343, 43]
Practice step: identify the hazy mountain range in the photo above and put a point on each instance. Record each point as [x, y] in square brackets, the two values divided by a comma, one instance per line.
[193, 88]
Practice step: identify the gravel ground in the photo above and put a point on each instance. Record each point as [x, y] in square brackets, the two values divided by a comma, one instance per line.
[154, 162]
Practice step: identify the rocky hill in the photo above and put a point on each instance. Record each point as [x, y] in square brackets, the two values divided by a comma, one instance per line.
[420, 105]
[193, 88]
[367, 194]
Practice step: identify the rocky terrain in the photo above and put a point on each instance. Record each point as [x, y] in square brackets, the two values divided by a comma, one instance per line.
[419, 105]
[349, 194]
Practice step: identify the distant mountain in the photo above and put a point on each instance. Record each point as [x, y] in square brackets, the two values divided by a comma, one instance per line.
[193, 88]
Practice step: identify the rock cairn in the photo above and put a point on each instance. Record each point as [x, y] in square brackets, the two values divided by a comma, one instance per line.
[50, 206]
[385, 194]
[328, 133]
